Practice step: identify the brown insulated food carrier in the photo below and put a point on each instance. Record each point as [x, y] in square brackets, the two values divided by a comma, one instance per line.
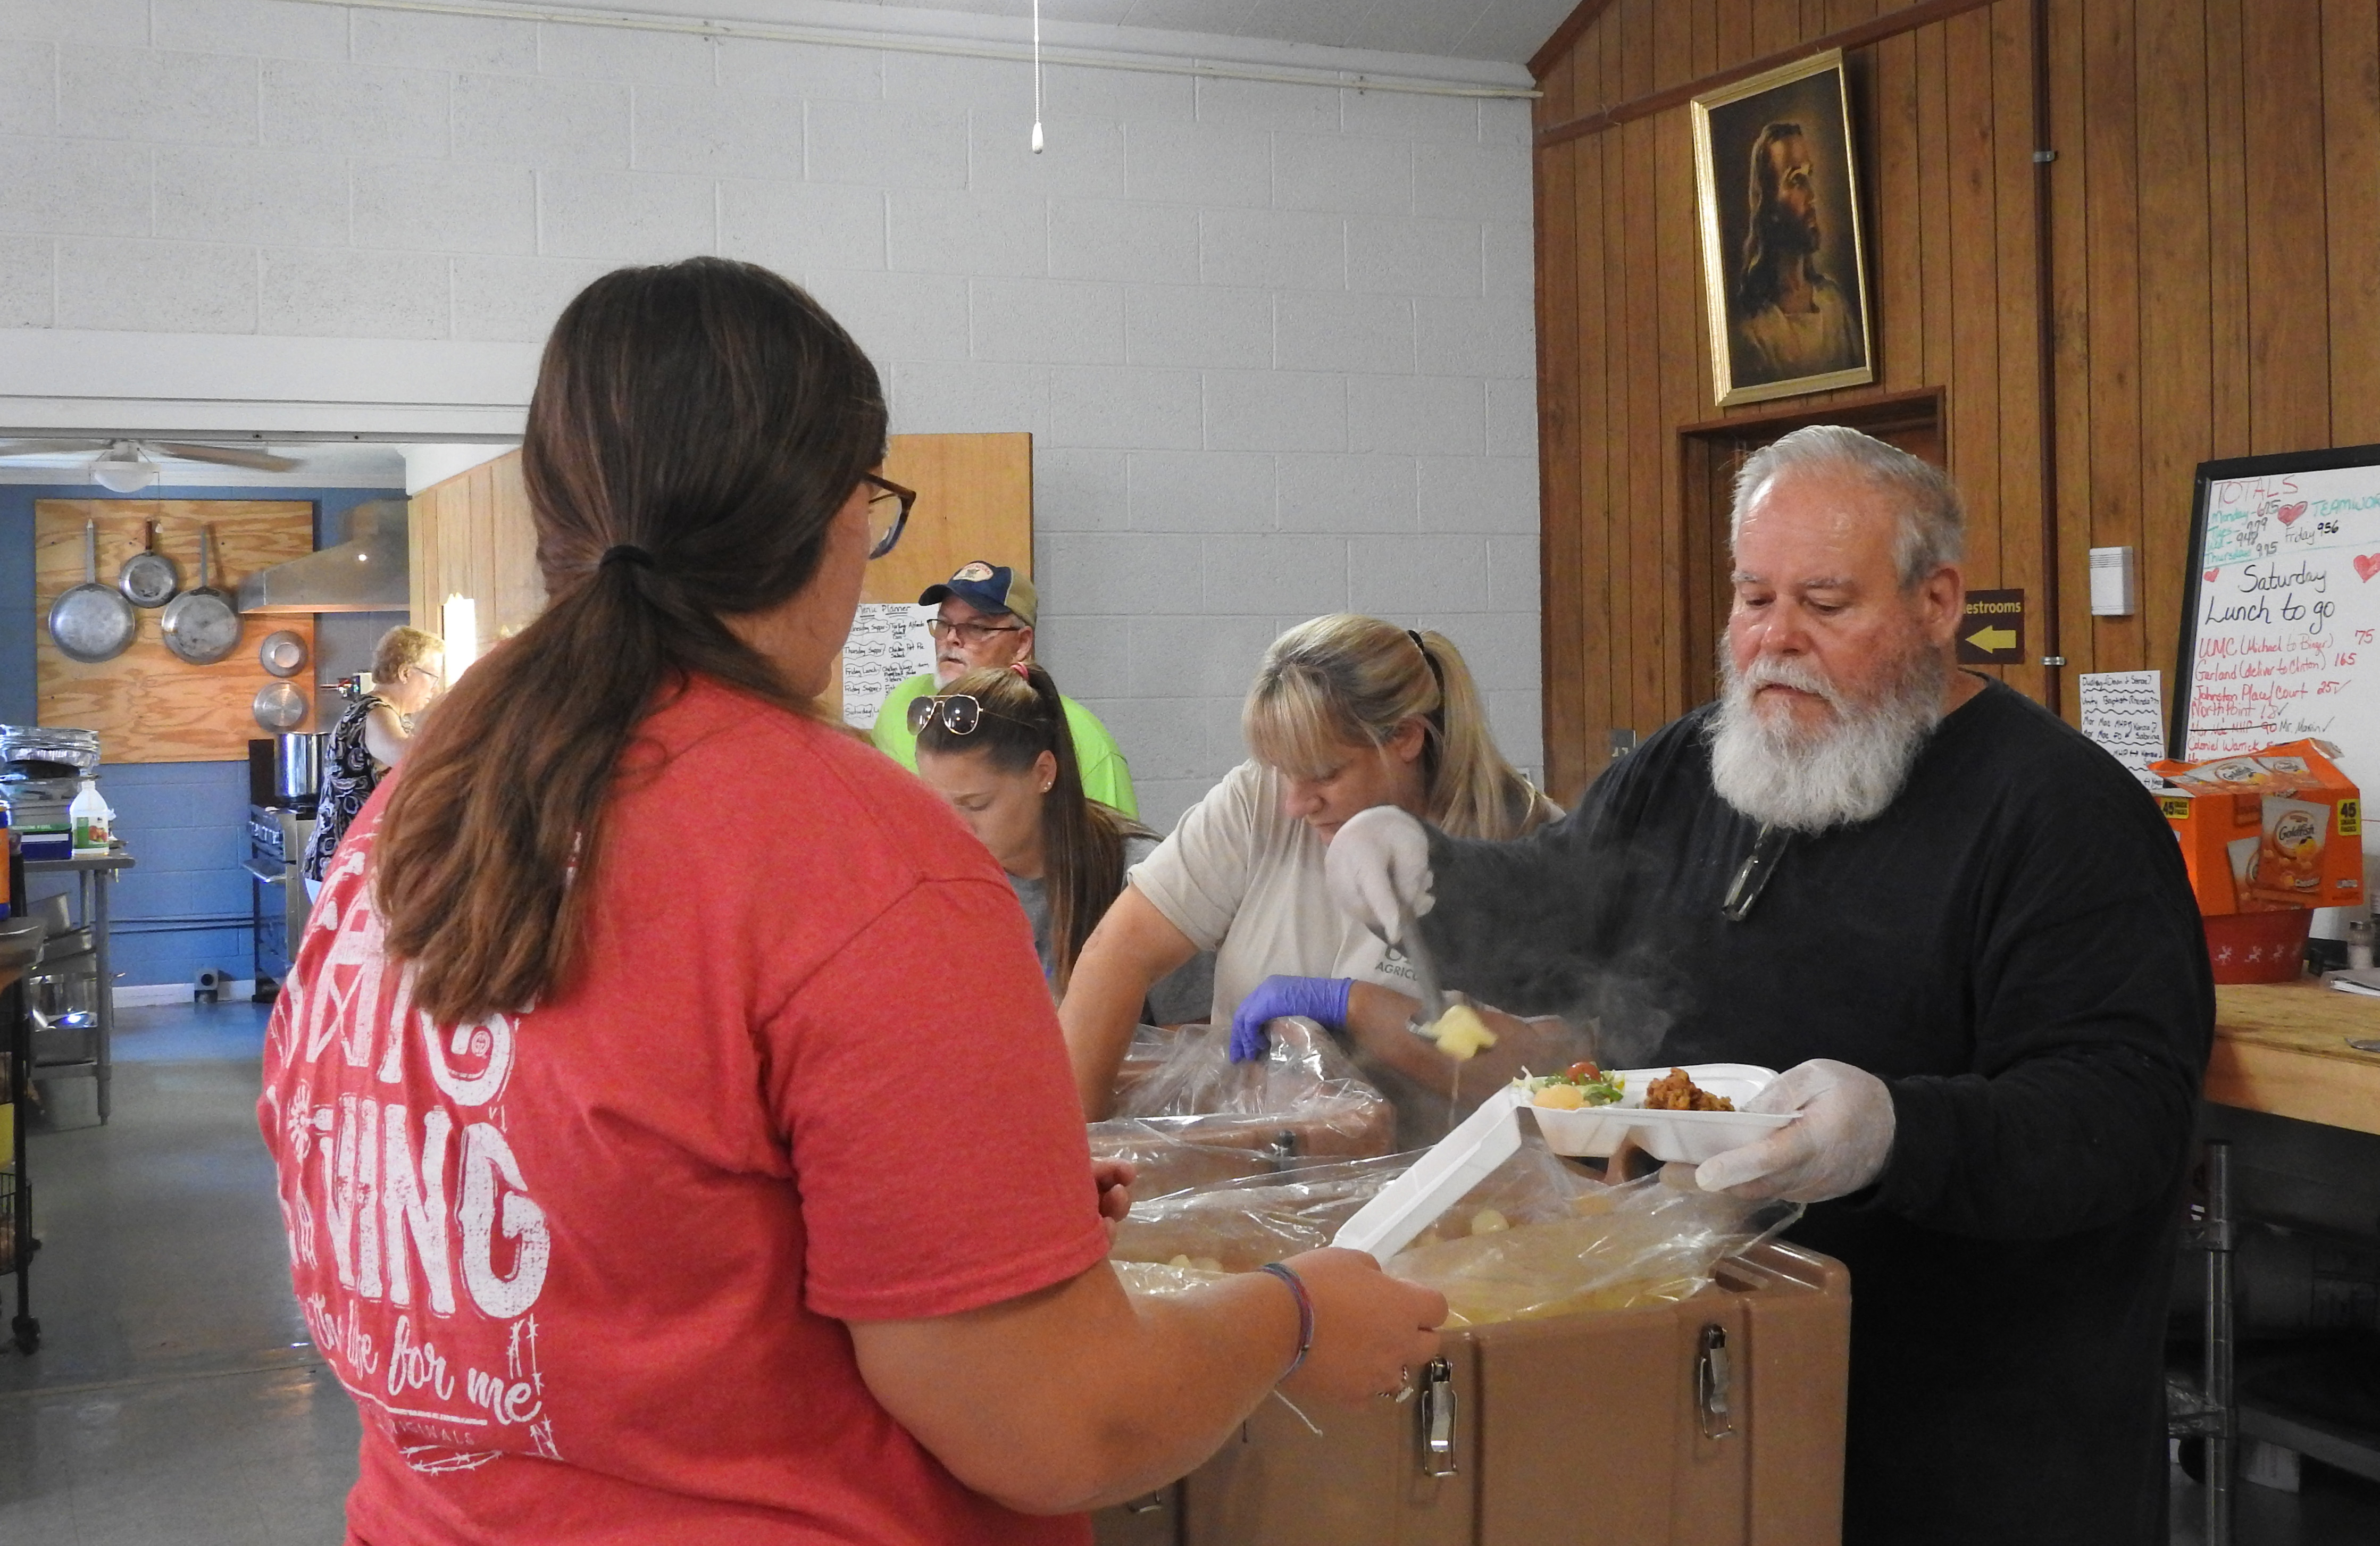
[1714, 1421]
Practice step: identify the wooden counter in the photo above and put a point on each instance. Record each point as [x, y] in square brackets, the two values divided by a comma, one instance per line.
[2283, 1048]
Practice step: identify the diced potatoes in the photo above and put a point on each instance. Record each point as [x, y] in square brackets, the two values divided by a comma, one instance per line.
[1461, 1033]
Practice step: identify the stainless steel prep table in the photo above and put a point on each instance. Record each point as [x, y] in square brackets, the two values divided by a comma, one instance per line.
[94, 876]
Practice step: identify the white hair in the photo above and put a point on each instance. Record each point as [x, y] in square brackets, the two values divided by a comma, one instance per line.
[1932, 521]
[1773, 771]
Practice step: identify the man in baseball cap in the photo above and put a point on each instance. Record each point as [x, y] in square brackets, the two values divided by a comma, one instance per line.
[985, 618]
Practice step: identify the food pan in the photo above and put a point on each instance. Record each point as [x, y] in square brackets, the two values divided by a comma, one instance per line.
[1691, 1137]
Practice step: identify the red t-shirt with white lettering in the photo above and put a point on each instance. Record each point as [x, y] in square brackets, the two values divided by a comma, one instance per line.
[584, 1269]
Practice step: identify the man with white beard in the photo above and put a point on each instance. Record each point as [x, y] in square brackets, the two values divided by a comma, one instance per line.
[1963, 931]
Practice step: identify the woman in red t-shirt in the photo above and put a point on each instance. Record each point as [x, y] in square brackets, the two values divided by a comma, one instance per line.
[673, 1132]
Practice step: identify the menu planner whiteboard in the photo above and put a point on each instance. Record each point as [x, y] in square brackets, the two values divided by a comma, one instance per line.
[889, 644]
[2280, 635]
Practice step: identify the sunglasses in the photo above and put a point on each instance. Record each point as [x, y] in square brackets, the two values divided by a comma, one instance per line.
[959, 711]
[888, 514]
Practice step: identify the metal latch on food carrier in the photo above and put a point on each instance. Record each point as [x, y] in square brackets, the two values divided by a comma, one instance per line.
[1438, 1418]
[1714, 1384]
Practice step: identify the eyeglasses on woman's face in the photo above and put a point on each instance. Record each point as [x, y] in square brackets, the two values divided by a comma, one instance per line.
[972, 635]
[959, 711]
[888, 514]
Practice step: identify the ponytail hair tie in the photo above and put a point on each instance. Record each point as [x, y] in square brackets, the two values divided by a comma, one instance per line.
[625, 552]
[1437, 672]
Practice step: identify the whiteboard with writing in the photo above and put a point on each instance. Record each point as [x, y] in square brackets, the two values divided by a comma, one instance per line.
[887, 645]
[2280, 633]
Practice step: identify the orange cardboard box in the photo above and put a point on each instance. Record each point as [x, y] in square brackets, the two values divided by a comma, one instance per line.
[2280, 828]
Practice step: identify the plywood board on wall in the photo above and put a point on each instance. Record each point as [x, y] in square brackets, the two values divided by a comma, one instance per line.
[975, 500]
[473, 534]
[148, 704]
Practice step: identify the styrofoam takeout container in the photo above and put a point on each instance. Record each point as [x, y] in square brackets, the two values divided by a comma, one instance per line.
[1691, 1137]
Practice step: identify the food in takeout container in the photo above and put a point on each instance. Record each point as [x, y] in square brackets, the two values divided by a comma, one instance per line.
[1582, 1083]
[1676, 1090]
[1597, 1132]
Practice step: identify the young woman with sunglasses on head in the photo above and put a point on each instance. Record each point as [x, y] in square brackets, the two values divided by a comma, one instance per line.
[1346, 713]
[598, 1121]
[994, 743]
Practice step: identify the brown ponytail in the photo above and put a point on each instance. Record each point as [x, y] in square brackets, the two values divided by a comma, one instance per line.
[1081, 841]
[695, 429]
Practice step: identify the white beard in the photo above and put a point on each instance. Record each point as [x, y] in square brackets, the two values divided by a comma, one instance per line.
[1774, 771]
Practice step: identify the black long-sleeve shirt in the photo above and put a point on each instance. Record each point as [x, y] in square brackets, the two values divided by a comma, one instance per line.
[2013, 947]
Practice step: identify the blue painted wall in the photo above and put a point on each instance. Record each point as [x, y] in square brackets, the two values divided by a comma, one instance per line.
[185, 905]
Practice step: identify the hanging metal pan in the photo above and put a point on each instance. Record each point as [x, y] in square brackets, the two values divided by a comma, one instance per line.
[279, 706]
[202, 626]
[149, 577]
[93, 622]
[282, 653]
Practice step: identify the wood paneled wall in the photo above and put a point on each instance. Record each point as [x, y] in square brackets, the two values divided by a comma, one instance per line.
[472, 536]
[2215, 282]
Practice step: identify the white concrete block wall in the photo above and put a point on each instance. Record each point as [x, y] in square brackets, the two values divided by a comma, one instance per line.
[1274, 342]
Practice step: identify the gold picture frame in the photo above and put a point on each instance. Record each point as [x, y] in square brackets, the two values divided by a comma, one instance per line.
[1776, 180]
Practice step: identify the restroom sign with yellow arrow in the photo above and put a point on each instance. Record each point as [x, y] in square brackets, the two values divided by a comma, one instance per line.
[1992, 632]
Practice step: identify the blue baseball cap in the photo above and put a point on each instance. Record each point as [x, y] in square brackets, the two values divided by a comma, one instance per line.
[988, 588]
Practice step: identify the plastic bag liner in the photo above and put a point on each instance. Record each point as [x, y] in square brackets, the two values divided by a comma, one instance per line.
[1535, 1238]
[1188, 1116]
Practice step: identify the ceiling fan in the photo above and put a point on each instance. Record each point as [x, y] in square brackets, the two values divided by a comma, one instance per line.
[128, 466]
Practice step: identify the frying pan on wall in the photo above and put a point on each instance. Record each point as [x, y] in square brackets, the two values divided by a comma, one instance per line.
[282, 653]
[93, 622]
[149, 577]
[279, 706]
[200, 624]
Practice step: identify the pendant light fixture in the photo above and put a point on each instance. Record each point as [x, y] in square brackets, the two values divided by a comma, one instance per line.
[1036, 77]
[123, 467]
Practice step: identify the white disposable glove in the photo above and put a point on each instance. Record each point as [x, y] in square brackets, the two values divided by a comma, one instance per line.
[1379, 870]
[1838, 1146]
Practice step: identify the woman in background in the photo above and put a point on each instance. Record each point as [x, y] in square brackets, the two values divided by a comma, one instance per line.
[370, 738]
[993, 743]
[1346, 713]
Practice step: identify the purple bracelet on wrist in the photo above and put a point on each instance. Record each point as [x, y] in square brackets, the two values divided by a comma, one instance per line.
[1304, 1315]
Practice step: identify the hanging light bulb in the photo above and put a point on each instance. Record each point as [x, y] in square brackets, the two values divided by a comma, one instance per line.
[123, 468]
[1036, 77]
[459, 620]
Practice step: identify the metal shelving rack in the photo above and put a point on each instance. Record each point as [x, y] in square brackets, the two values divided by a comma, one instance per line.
[17, 1243]
[2209, 1412]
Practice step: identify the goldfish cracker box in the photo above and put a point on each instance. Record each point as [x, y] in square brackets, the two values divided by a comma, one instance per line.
[2280, 828]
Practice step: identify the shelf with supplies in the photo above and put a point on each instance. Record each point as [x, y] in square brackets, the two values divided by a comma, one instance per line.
[2286, 1048]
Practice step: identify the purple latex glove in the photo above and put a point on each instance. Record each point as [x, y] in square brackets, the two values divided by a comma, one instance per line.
[1323, 999]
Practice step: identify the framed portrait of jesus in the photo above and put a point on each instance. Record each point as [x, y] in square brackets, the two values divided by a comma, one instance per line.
[1784, 259]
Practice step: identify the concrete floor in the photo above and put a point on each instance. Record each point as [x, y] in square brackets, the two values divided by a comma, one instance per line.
[176, 1397]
